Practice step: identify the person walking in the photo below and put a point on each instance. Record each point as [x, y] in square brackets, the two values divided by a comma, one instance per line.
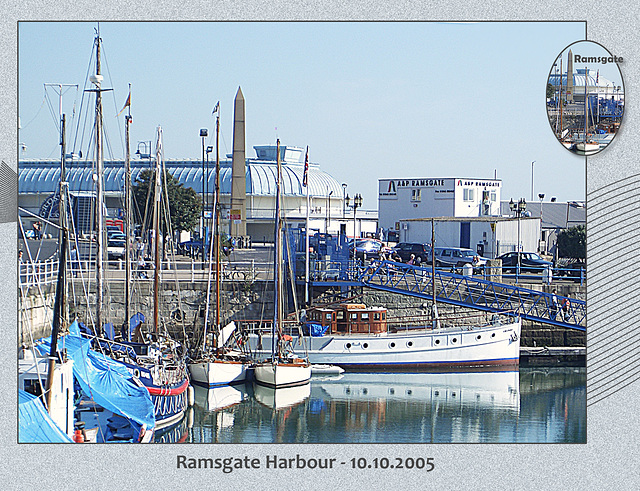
[554, 305]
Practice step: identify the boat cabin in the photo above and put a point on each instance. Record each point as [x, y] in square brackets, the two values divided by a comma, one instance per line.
[351, 318]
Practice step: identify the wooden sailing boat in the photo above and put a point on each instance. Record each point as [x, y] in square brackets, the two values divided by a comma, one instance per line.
[281, 370]
[213, 366]
[153, 361]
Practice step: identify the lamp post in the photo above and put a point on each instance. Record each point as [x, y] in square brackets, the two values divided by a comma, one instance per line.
[344, 193]
[357, 203]
[531, 180]
[203, 134]
[541, 196]
[518, 208]
[328, 222]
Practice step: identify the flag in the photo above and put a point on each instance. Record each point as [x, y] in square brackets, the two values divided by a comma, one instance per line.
[597, 76]
[306, 169]
[216, 108]
[126, 104]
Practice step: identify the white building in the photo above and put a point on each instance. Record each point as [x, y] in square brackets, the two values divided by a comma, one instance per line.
[488, 236]
[403, 199]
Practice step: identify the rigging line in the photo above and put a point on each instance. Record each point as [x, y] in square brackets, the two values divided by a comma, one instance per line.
[82, 99]
[37, 112]
[52, 111]
[113, 96]
[172, 252]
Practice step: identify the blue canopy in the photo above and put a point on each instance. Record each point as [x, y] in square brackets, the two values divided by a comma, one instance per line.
[316, 330]
[35, 423]
[105, 380]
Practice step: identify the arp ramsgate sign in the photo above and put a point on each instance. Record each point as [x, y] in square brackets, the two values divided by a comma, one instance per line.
[597, 59]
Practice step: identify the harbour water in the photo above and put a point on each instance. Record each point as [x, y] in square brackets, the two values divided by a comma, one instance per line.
[532, 405]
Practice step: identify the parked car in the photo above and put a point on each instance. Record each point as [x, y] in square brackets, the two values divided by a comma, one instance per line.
[405, 249]
[115, 249]
[456, 257]
[369, 248]
[530, 263]
[116, 235]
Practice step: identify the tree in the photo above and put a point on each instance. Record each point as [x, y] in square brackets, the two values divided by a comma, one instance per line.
[550, 91]
[572, 243]
[185, 207]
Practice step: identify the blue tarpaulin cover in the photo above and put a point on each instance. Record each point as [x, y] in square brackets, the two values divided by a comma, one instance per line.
[35, 424]
[105, 380]
[317, 330]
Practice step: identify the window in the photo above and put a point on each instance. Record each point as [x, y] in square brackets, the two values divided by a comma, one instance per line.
[415, 195]
[365, 316]
[493, 196]
[328, 316]
[467, 194]
[376, 316]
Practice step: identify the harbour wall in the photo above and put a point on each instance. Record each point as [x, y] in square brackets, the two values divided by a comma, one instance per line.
[254, 301]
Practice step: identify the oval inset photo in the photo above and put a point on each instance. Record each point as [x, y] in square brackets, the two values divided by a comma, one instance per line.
[585, 97]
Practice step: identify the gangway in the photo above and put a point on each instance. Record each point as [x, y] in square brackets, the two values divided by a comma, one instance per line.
[468, 291]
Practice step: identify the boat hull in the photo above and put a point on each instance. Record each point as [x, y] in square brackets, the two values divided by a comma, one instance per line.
[424, 349]
[215, 373]
[282, 374]
[169, 400]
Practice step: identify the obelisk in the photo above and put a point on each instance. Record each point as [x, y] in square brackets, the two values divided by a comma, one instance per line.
[238, 169]
[570, 77]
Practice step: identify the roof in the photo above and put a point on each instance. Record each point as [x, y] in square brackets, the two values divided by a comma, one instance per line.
[43, 176]
[554, 215]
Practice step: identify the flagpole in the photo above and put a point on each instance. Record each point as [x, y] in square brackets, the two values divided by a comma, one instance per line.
[306, 232]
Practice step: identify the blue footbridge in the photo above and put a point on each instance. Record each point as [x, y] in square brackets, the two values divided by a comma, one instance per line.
[467, 291]
[489, 294]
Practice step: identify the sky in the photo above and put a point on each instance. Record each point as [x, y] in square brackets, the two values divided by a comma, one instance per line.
[372, 100]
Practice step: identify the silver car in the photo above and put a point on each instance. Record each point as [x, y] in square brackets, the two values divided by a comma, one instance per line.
[457, 257]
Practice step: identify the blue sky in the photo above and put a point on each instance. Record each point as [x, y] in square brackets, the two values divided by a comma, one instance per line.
[372, 99]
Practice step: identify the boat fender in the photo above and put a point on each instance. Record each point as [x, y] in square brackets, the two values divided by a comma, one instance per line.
[78, 437]
[136, 373]
[190, 395]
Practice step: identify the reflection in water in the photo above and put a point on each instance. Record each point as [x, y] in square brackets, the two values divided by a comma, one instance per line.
[532, 405]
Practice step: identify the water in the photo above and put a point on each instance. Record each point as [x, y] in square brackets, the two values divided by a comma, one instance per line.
[534, 405]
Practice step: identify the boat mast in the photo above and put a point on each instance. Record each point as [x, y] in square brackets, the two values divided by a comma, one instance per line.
[560, 100]
[59, 310]
[156, 230]
[127, 220]
[277, 320]
[97, 80]
[434, 307]
[216, 231]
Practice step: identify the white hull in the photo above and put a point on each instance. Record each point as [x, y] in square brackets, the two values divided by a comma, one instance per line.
[280, 398]
[282, 374]
[214, 373]
[459, 347]
[476, 389]
[587, 147]
[219, 398]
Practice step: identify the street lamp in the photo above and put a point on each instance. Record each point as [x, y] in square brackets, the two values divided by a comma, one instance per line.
[357, 203]
[328, 222]
[531, 180]
[344, 192]
[203, 134]
[541, 196]
[518, 208]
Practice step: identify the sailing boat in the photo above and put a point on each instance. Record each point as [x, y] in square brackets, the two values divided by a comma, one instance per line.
[155, 361]
[214, 366]
[356, 336]
[152, 360]
[108, 402]
[281, 370]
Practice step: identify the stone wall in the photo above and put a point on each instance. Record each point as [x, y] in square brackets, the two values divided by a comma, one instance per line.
[254, 300]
